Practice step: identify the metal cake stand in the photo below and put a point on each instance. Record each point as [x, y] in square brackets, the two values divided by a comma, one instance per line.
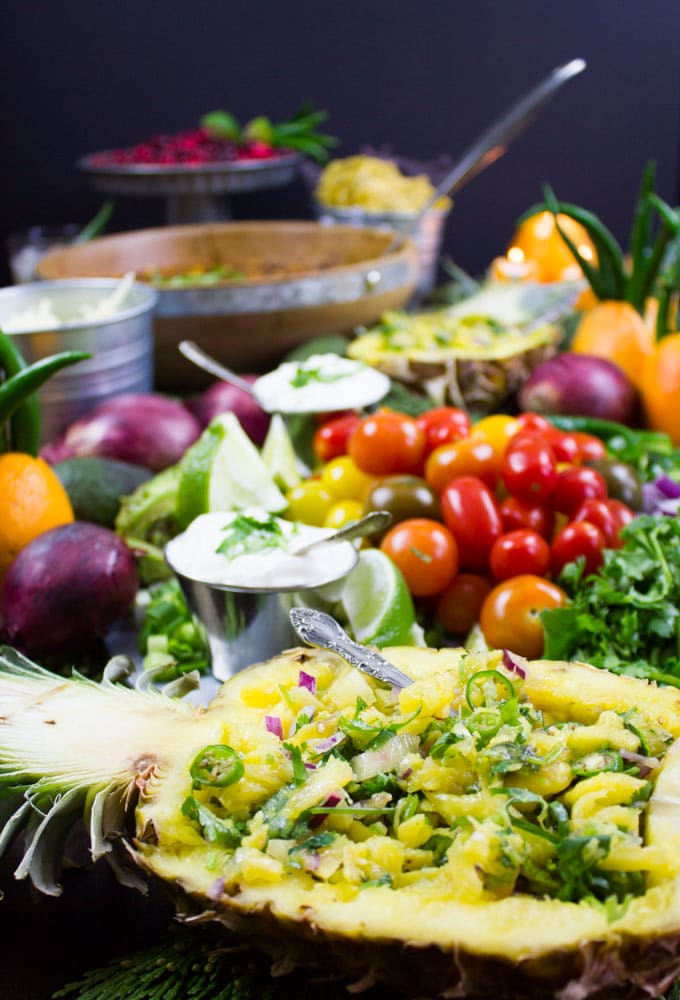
[197, 193]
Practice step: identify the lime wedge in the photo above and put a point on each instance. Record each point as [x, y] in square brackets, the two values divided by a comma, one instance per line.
[223, 470]
[377, 602]
[278, 455]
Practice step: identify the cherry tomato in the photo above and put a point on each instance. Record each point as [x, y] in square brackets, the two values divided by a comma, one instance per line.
[529, 468]
[470, 511]
[622, 515]
[342, 512]
[404, 497]
[577, 539]
[426, 553]
[332, 438]
[459, 606]
[309, 502]
[590, 448]
[519, 552]
[467, 457]
[344, 480]
[599, 514]
[510, 615]
[565, 446]
[442, 425]
[497, 429]
[387, 442]
[575, 485]
[517, 514]
[533, 422]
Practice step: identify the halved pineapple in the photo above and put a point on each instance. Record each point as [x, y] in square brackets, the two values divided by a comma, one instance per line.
[497, 828]
[475, 354]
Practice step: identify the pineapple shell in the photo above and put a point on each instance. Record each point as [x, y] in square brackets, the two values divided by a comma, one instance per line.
[420, 937]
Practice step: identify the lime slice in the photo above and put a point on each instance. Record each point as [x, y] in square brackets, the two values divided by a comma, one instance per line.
[279, 455]
[377, 602]
[223, 470]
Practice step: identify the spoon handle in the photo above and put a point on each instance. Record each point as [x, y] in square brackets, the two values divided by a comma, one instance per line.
[196, 354]
[316, 628]
[377, 520]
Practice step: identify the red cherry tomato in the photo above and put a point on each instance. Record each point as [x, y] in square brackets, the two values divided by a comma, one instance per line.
[529, 468]
[332, 438]
[442, 425]
[459, 606]
[565, 446]
[575, 485]
[509, 617]
[599, 514]
[519, 552]
[386, 442]
[622, 516]
[470, 511]
[426, 553]
[577, 539]
[534, 422]
[517, 514]
[589, 447]
[467, 457]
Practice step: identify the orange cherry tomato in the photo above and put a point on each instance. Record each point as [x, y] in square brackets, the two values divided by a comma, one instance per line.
[459, 606]
[426, 553]
[467, 457]
[660, 387]
[510, 615]
[387, 442]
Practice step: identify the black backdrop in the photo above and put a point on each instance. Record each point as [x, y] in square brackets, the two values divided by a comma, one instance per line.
[420, 77]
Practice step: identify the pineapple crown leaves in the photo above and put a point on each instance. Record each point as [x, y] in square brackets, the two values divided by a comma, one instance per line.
[48, 778]
[655, 224]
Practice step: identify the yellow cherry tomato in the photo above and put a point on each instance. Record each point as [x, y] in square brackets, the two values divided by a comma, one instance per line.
[309, 502]
[344, 480]
[496, 430]
[343, 512]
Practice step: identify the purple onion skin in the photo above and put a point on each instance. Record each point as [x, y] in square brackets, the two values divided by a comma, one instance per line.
[580, 384]
[150, 430]
[222, 397]
[66, 589]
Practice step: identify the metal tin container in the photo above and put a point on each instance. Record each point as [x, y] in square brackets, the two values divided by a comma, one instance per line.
[121, 345]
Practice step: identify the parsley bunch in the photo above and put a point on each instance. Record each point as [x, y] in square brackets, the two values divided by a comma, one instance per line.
[626, 617]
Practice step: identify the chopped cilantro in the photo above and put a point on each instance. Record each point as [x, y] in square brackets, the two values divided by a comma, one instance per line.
[247, 534]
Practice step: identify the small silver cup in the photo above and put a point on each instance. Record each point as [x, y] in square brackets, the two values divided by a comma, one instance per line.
[244, 625]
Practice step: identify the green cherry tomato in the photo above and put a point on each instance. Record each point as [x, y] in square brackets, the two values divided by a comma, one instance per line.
[403, 497]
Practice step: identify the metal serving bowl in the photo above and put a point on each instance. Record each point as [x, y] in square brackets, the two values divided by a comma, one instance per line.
[121, 345]
[300, 280]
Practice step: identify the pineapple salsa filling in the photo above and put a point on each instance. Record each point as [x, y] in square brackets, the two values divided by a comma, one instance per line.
[456, 785]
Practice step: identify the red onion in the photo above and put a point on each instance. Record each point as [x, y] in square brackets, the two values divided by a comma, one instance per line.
[150, 430]
[222, 397]
[579, 384]
[274, 725]
[307, 681]
[511, 663]
[332, 741]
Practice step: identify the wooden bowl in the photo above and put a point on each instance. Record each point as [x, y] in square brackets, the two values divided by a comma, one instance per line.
[300, 280]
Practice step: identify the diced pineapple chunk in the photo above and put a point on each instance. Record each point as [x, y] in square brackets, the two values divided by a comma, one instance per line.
[414, 832]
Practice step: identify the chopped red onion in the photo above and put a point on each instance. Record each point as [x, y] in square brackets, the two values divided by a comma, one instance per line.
[645, 765]
[274, 725]
[513, 665]
[668, 486]
[309, 766]
[307, 681]
[329, 802]
[661, 497]
[216, 890]
[331, 741]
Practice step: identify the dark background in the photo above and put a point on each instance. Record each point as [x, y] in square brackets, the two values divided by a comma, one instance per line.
[420, 77]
